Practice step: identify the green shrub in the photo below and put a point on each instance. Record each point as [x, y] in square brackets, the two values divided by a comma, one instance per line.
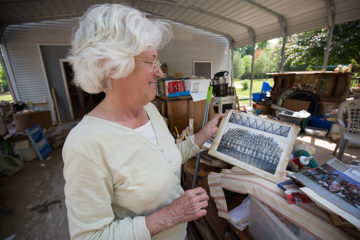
[246, 85]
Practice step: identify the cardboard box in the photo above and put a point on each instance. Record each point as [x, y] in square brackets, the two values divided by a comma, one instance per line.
[27, 119]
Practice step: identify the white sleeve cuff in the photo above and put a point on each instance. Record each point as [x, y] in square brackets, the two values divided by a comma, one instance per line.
[140, 230]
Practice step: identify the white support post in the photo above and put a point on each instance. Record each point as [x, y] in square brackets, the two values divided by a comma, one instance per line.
[253, 40]
[282, 61]
[231, 62]
[330, 8]
[252, 73]
[327, 51]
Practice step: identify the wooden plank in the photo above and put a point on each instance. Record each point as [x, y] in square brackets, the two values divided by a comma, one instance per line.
[178, 114]
[296, 105]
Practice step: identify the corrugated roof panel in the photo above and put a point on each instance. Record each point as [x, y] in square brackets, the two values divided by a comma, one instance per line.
[226, 6]
[209, 21]
[258, 22]
[236, 7]
[182, 14]
[163, 8]
[199, 19]
[205, 4]
[39, 8]
[300, 15]
[215, 6]
[174, 12]
[347, 11]
[242, 12]
[49, 6]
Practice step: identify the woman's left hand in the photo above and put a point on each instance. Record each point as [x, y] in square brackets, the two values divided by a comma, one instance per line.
[210, 129]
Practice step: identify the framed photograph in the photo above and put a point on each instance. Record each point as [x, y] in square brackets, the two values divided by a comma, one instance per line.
[259, 145]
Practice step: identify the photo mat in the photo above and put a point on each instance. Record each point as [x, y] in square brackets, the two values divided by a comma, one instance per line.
[259, 145]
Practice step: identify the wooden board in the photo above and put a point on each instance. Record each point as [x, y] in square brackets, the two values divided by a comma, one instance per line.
[259, 145]
[196, 112]
[296, 105]
[178, 114]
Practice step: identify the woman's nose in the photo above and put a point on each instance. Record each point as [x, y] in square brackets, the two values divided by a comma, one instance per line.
[159, 73]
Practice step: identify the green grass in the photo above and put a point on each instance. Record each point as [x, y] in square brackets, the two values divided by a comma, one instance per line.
[6, 96]
[243, 95]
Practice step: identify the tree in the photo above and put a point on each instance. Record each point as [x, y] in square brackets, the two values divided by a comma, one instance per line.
[263, 61]
[239, 67]
[345, 45]
[3, 82]
[247, 65]
[262, 65]
[247, 50]
[305, 51]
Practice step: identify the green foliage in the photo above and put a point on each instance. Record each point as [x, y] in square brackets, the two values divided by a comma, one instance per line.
[305, 51]
[262, 65]
[246, 85]
[247, 50]
[238, 64]
[345, 45]
[242, 65]
[247, 65]
[3, 82]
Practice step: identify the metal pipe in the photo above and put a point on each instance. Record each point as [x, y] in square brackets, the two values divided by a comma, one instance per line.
[326, 55]
[282, 61]
[205, 118]
[252, 73]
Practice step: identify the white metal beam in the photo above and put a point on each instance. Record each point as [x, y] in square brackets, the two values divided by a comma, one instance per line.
[330, 7]
[282, 61]
[281, 19]
[200, 10]
[253, 41]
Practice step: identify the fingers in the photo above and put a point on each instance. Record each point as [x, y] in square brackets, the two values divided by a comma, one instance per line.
[217, 119]
[196, 191]
[198, 198]
[197, 201]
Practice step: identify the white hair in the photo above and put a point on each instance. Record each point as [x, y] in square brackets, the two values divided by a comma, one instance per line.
[107, 39]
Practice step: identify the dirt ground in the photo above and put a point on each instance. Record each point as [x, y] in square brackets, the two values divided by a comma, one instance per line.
[42, 181]
[38, 182]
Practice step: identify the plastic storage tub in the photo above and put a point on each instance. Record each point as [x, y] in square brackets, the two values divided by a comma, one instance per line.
[265, 225]
[319, 122]
[258, 96]
[286, 116]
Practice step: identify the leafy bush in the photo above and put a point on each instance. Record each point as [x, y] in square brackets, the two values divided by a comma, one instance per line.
[3, 82]
[246, 85]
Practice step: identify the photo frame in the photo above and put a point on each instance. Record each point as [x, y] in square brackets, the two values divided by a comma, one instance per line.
[259, 145]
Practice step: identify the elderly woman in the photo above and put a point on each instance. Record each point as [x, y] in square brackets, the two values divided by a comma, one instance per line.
[122, 166]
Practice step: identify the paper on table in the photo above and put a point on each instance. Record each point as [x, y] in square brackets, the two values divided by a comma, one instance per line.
[199, 88]
[239, 216]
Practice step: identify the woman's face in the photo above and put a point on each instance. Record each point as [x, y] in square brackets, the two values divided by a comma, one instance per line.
[142, 81]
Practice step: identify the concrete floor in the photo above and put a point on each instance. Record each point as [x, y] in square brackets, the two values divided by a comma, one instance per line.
[324, 148]
[35, 184]
[32, 186]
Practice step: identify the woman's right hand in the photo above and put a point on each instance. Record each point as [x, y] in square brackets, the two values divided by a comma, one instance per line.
[189, 206]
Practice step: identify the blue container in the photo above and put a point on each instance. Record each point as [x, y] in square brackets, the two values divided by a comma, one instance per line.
[258, 96]
[320, 122]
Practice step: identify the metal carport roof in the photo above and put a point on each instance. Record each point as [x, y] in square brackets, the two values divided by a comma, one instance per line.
[241, 21]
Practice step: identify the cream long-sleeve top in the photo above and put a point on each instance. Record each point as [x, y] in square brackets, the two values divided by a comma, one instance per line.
[115, 177]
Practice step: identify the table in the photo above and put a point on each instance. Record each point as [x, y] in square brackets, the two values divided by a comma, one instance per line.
[179, 109]
[221, 101]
